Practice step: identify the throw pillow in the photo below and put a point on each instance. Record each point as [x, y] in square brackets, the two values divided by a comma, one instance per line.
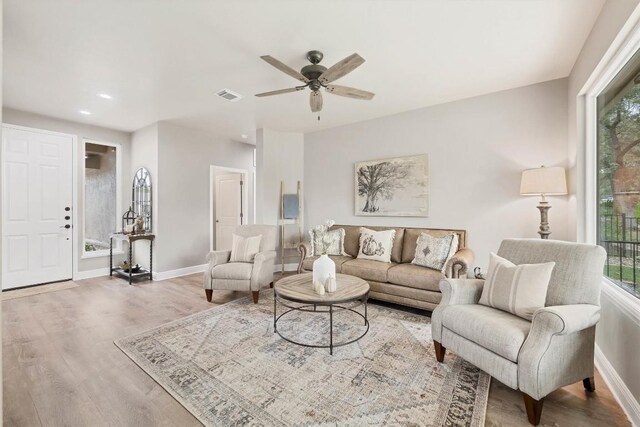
[376, 245]
[517, 289]
[332, 241]
[434, 252]
[244, 249]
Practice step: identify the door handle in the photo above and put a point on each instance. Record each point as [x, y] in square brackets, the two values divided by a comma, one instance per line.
[65, 226]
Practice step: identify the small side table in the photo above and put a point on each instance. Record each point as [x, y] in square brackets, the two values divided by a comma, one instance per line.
[130, 238]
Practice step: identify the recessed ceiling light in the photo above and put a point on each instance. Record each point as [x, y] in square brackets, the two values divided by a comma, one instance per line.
[85, 112]
[105, 96]
[243, 136]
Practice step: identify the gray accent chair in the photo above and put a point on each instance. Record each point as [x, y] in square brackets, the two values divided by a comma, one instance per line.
[243, 276]
[555, 349]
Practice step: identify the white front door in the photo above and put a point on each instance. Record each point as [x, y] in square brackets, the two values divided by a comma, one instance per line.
[228, 208]
[36, 207]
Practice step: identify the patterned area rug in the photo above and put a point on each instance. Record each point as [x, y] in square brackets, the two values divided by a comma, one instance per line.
[227, 367]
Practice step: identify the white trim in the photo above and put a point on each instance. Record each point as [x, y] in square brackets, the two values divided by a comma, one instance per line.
[81, 182]
[629, 404]
[625, 302]
[164, 275]
[102, 253]
[90, 274]
[74, 187]
[212, 186]
[287, 267]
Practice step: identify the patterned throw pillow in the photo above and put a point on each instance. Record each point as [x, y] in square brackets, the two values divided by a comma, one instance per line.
[331, 241]
[244, 249]
[434, 252]
[518, 289]
[376, 245]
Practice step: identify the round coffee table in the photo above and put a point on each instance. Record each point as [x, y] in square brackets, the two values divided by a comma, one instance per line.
[298, 289]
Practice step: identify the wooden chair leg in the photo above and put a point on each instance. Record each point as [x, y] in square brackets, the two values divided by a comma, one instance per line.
[589, 384]
[255, 296]
[534, 409]
[440, 351]
[209, 294]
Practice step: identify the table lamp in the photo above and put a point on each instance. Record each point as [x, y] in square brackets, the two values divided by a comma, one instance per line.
[543, 182]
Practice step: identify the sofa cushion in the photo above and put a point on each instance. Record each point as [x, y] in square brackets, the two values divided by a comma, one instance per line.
[352, 240]
[415, 276]
[232, 271]
[410, 240]
[367, 269]
[498, 331]
[307, 264]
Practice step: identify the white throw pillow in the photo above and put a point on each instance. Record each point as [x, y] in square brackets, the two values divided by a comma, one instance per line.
[518, 289]
[376, 245]
[244, 249]
[434, 252]
[332, 241]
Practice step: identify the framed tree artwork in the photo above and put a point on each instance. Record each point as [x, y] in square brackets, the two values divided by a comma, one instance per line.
[392, 187]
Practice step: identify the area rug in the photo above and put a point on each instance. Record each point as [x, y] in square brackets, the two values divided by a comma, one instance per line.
[35, 290]
[228, 368]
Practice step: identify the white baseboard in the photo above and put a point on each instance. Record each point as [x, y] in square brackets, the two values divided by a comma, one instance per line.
[618, 388]
[89, 274]
[287, 267]
[164, 275]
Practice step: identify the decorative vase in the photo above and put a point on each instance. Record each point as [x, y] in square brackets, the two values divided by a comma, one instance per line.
[323, 268]
[331, 285]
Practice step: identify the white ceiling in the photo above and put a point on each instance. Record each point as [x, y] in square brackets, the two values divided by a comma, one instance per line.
[164, 60]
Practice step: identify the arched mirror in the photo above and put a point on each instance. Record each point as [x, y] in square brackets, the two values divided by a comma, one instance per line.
[141, 197]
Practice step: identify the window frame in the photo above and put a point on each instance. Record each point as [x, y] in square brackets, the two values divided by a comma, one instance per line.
[620, 52]
[117, 250]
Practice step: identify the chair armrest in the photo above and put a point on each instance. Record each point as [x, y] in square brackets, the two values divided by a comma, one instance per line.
[304, 249]
[460, 291]
[459, 264]
[218, 257]
[558, 343]
[454, 292]
[262, 272]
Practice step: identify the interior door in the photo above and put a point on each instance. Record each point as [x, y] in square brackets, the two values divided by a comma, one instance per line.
[228, 208]
[36, 207]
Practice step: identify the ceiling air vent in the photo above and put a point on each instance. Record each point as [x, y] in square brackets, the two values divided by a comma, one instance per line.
[229, 95]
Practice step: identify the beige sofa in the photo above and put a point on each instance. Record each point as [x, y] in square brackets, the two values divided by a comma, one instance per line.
[399, 281]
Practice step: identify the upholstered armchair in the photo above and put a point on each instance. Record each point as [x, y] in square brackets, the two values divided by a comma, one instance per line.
[553, 350]
[243, 276]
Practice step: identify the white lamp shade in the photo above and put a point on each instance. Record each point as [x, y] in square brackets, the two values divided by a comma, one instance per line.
[547, 181]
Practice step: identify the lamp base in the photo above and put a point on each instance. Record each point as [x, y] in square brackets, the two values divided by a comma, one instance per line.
[544, 207]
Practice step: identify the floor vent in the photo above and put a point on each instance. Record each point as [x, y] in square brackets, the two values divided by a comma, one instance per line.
[229, 95]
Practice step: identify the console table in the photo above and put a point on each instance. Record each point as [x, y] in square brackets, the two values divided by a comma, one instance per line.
[130, 238]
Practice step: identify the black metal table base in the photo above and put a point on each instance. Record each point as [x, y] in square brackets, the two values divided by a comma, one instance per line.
[330, 310]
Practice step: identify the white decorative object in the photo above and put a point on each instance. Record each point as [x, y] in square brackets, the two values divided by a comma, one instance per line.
[331, 285]
[318, 288]
[392, 187]
[434, 252]
[323, 268]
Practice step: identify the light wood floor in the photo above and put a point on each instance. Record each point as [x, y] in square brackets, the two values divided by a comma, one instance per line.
[62, 368]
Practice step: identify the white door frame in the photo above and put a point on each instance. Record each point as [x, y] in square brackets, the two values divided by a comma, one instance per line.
[212, 186]
[74, 187]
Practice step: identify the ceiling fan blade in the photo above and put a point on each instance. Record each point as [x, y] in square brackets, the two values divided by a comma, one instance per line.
[341, 68]
[285, 68]
[350, 92]
[316, 101]
[278, 92]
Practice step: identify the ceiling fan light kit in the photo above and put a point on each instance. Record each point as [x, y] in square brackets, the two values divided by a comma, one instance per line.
[316, 76]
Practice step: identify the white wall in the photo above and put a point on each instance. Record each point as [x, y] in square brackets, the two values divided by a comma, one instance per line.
[184, 159]
[280, 158]
[99, 134]
[478, 148]
[618, 332]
